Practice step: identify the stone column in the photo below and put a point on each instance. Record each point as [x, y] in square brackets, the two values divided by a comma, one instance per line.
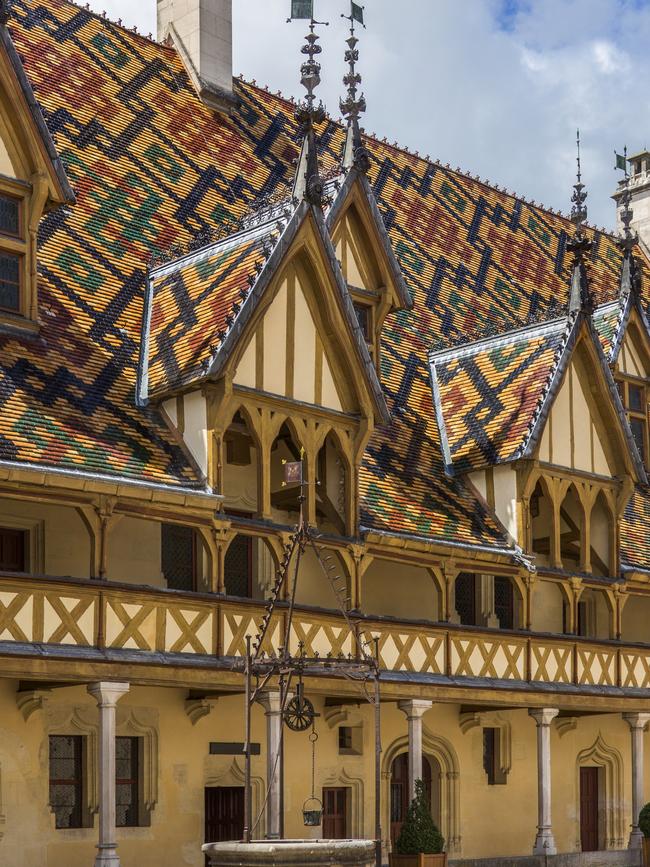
[486, 596]
[544, 842]
[107, 696]
[637, 723]
[271, 701]
[414, 710]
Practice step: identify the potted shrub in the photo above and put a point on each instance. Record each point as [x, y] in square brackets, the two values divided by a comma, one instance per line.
[644, 826]
[420, 843]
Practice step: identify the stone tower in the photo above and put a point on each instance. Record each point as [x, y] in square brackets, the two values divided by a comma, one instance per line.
[639, 169]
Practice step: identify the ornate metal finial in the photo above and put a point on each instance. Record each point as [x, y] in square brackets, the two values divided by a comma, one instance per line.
[627, 241]
[308, 183]
[580, 298]
[579, 197]
[354, 104]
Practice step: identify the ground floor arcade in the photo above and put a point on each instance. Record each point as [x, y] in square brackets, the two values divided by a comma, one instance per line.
[502, 779]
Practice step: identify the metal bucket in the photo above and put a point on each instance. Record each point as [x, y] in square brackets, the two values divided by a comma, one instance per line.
[312, 818]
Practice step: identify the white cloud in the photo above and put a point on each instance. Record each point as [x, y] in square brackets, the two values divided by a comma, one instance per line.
[497, 86]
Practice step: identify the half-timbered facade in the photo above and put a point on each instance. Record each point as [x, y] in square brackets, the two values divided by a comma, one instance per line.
[178, 319]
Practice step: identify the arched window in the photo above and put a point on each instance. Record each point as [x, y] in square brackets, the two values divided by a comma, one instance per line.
[602, 538]
[240, 466]
[284, 497]
[571, 530]
[541, 519]
[332, 489]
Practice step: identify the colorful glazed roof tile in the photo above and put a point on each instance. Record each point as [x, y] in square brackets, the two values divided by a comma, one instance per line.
[486, 394]
[192, 303]
[152, 166]
[635, 531]
[607, 321]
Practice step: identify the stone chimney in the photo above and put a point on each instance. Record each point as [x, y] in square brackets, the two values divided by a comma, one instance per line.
[639, 169]
[201, 32]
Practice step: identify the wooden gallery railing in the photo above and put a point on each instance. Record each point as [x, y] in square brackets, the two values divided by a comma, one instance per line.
[103, 615]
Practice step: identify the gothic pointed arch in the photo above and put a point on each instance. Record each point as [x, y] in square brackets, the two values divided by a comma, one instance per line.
[443, 753]
[612, 796]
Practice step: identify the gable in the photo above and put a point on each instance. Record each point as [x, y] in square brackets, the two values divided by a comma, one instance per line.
[354, 253]
[286, 355]
[27, 150]
[633, 354]
[574, 434]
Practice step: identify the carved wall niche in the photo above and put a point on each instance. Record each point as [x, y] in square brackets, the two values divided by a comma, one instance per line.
[220, 771]
[142, 722]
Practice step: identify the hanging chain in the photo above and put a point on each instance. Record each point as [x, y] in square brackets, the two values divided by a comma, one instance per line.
[313, 737]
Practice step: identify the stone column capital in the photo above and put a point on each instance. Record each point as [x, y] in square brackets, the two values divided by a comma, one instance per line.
[543, 716]
[107, 693]
[414, 708]
[271, 701]
[637, 720]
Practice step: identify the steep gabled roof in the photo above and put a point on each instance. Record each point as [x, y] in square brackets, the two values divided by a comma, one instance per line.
[355, 178]
[61, 190]
[198, 305]
[191, 304]
[153, 166]
[487, 394]
[492, 398]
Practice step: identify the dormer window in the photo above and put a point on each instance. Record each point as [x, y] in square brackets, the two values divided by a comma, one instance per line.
[635, 401]
[364, 317]
[12, 253]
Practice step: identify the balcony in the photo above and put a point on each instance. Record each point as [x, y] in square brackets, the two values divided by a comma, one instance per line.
[81, 619]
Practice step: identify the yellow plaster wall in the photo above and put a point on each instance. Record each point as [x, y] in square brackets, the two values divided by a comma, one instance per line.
[6, 166]
[546, 609]
[195, 433]
[65, 540]
[570, 438]
[399, 590]
[293, 362]
[636, 619]
[275, 343]
[629, 359]
[185, 767]
[505, 498]
[134, 552]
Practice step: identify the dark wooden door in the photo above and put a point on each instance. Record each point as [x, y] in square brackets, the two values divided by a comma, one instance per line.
[335, 813]
[399, 792]
[12, 550]
[224, 813]
[589, 809]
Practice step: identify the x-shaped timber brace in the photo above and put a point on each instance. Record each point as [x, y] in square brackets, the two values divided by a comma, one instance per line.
[260, 667]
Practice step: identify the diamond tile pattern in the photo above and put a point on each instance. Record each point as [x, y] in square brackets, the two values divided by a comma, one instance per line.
[153, 167]
[487, 394]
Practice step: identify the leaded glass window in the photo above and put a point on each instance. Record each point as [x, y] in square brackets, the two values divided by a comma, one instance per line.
[66, 780]
[466, 598]
[127, 782]
[238, 567]
[178, 556]
[9, 216]
[504, 602]
[10, 281]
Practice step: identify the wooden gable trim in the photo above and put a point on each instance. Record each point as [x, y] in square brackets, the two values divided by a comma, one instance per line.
[357, 194]
[306, 252]
[602, 397]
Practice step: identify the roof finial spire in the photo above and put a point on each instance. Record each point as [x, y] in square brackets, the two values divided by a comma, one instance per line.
[580, 299]
[354, 104]
[579, 197]
[308, 183]
[628, 240]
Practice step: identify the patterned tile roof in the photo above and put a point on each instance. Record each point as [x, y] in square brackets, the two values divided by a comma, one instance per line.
[193, 302]
[607, 321]
[486, 394]
[151, 166]
[635, 531]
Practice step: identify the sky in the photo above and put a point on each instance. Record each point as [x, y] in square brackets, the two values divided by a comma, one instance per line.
[496, 87]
